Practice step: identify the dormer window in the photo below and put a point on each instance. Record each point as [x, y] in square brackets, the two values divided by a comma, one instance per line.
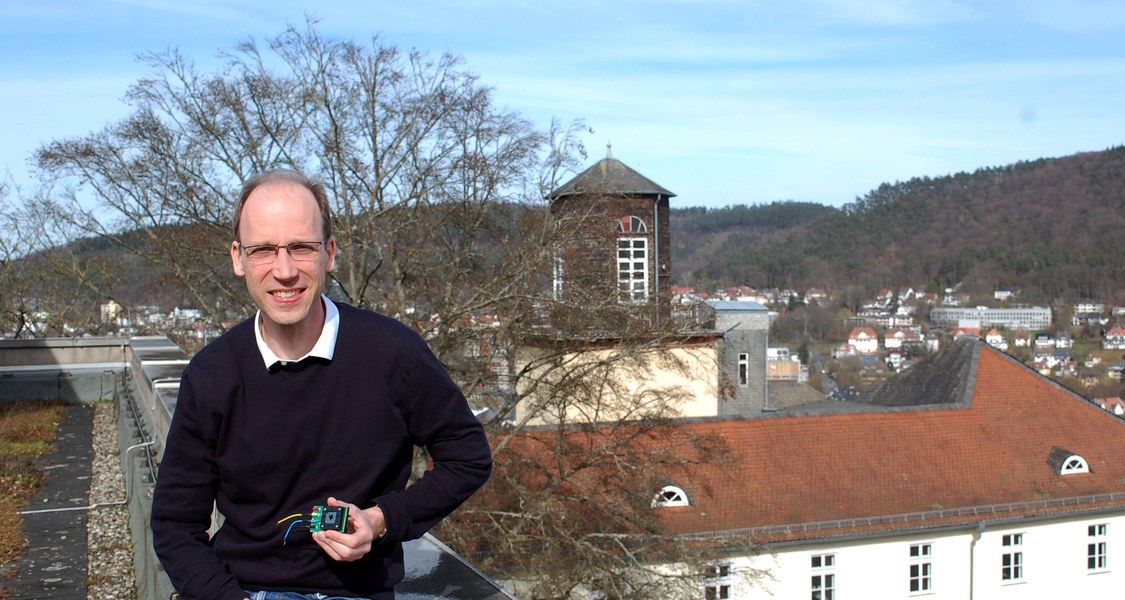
[670, 495]
[1074, 464]
[1065, 462]
[631, 225]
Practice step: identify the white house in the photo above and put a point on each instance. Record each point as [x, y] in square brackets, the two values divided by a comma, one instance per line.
[1114, 339]
[900, 337]
[996, 339]
[864, 340]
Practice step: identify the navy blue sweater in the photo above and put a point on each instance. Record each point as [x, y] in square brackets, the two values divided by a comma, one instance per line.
[264, 446]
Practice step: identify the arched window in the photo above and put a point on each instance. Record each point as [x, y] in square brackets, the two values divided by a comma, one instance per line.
[1075, 464]
[631, 225]
[1067, 463]
[670, 495]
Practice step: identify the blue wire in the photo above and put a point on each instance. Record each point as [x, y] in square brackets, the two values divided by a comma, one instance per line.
[288, 530]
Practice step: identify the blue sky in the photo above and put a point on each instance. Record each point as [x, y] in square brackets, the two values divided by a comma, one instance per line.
[721, 101]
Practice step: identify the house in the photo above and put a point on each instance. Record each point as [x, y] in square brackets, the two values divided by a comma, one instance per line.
[864, 340]
[781, 365]
[996, 339]
[1114, 339]
[1089, 306]
[816, 295]
[900, 337]
[1114, 405]
[966, 331]
[895, 359]
[930, 484]
[1022, 339]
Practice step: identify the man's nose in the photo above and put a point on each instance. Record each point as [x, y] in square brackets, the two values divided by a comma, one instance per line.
[284, 267]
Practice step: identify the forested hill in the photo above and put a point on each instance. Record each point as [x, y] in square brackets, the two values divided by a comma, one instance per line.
[1055, 228]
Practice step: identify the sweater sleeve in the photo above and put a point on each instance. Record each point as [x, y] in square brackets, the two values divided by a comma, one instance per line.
[439, 419]
[182, 505]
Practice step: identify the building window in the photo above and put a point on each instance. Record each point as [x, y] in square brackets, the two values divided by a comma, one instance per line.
[1011, 561]
[716, 582]
[1096, 556]
[823, 577]
[743, 369]
[631, 225]
[670, 495]
[632, 269]
[921, 569]
[717, 591]
[1075, 464]
[557, 279]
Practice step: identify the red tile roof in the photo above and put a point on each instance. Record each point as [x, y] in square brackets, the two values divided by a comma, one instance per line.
[820, 469]
[970, 443]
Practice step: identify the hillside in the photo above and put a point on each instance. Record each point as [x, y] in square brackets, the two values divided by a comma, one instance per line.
[1051, 227]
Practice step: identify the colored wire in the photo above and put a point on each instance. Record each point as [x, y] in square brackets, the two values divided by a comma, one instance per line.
[290, 529]
[289, 517]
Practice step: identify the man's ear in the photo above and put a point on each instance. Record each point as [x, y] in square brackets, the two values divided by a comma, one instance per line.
[330, 248]
[236, 259]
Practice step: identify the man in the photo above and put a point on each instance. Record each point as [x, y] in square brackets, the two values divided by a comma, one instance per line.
[306, 404]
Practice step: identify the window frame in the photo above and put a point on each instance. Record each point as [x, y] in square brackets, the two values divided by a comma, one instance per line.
[1011, 560]
[921, 571]
[717, 581]
[670, 495]
[628, 276]
[822, 580]
[1097, 548]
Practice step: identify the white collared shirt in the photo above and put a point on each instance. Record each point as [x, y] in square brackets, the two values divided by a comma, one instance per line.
[325, 345]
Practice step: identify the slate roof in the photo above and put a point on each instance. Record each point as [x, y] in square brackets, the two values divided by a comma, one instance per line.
[610, 176]
[941, 378]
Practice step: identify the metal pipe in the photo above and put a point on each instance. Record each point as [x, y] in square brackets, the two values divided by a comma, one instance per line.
[128, 454]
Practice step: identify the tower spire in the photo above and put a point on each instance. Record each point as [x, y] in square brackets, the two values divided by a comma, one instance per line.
[609, 150]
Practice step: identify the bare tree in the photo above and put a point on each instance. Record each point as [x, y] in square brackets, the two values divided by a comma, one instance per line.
[441, 222]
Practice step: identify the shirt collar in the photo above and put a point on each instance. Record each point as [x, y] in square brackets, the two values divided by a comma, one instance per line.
[325, 345]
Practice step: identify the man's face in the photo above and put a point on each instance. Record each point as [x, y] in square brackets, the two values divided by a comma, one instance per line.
[286, 290]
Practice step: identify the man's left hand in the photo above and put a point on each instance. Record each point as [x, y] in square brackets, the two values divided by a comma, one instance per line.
[364, 527]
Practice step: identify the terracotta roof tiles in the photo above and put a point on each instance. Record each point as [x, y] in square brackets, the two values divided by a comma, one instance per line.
[993, 451]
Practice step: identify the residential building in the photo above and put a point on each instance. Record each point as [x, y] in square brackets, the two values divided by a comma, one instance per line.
[996, 339]
[1089, 306]
[1114, 339]
[901, 337]
[781, 365]
[864, 340]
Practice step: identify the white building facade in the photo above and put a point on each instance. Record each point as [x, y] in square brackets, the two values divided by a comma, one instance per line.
[1071, 556]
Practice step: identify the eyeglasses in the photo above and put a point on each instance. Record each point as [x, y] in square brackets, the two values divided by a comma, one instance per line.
[267, 253]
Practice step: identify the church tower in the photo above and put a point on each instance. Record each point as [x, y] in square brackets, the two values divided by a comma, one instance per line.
[621, 245]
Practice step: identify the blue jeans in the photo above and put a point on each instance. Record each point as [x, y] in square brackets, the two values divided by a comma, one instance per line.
[293, 596]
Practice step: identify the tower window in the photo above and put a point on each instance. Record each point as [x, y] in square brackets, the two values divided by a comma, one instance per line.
[631, 225]
[632, 269]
